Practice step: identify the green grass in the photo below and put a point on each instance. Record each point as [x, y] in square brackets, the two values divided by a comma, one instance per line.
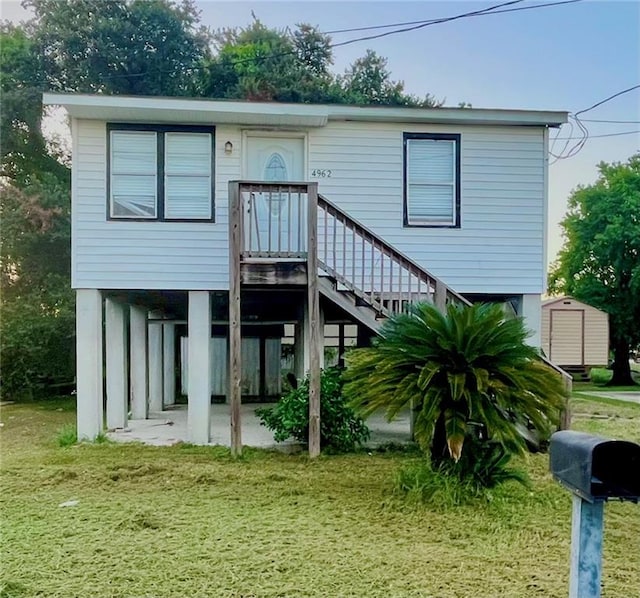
[601, 376]
[191, 521]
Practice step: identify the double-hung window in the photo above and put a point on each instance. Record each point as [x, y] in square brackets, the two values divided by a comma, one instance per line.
[432, 179]
[160, 173]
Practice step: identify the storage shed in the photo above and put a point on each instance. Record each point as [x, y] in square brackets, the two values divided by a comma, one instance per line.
[574, 334]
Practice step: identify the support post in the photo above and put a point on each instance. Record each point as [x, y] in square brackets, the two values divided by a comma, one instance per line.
[440, 297]
[565, 412]
[314, 321]
[138, 359]
[300, 356]
[116, 364]
[341, 347]
[169, 363]
[155, 367]
[235, 333]
[586, 549]
[531, 311]
[89, 363]
[199, 371]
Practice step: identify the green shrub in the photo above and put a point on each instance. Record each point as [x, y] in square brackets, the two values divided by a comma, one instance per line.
[600, 375]
[341, 430]
[67, 436]
[419, 482]
[483, 466]
[470, 364]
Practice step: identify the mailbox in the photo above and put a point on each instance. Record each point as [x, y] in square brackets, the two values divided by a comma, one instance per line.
[596, 468]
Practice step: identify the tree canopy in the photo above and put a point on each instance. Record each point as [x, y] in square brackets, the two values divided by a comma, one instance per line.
[259, 63]
[600, 260]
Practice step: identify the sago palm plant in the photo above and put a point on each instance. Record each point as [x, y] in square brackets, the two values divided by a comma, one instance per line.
[468, 366]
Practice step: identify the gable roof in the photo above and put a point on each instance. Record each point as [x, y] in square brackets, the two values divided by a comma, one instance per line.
[553, 300]
[118, 108]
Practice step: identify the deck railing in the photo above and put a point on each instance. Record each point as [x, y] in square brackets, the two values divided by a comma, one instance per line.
[274, 219]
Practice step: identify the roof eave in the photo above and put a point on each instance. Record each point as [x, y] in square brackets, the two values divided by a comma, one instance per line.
[196, 111]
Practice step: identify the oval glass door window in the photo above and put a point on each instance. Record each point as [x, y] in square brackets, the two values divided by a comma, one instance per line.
[275, 170]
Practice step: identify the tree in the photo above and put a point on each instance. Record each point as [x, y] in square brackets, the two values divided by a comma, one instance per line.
[134, 47]
[468, 366]
[258, 63]
[600, 260]
[37, 324]
[23, 151]
[368, 81]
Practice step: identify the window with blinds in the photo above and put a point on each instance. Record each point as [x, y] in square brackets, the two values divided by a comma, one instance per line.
[432, 186]
[160, 173]
[187, 175]
[134, 172]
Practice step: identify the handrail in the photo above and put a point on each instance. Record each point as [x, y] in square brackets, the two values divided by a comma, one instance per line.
[371, 268]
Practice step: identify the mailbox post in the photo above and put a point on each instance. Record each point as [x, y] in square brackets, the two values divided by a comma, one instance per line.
[595, 470]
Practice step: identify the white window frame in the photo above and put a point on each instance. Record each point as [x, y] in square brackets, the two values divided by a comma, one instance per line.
[454, 182]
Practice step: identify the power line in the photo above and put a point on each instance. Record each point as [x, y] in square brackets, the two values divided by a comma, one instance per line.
[601, 102]
[595, 136]
[613, 122]
[428, 23]
[495, 12]
[581, 141]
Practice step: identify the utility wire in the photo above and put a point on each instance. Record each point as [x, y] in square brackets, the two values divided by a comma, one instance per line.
[613, 122]
[495, 12]
[581, 141]
[604, 135]
[427, 23]
[601, 102]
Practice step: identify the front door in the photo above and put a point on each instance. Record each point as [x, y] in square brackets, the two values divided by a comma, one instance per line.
[276, 217]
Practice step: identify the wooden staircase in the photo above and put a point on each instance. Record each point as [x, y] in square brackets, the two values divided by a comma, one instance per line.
[287, 234]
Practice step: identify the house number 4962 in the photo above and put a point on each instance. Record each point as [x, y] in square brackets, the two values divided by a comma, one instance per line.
[321, 173]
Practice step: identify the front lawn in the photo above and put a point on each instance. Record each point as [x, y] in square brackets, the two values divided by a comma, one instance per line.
[190, 521]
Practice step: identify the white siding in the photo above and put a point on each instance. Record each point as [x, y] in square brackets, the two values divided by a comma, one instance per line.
[498, 249]
[145, 255]
[500, 245]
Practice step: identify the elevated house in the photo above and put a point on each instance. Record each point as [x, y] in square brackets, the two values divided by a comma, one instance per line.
[217, 221]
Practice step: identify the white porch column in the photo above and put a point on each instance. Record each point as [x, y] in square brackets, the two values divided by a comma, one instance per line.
[89, 363]
[155, 367]
[199, 371]
[138, 359]
[531, 311]
[168, 361]
[116, 364]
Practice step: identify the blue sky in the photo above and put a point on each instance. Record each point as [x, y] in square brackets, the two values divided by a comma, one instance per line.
[560, 58]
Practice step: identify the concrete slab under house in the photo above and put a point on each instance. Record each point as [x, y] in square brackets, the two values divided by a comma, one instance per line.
[220, 245]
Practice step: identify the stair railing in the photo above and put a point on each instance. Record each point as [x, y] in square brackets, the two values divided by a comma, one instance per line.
[365, 264]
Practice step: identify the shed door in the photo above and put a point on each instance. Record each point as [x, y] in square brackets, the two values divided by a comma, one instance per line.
[566, 339]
